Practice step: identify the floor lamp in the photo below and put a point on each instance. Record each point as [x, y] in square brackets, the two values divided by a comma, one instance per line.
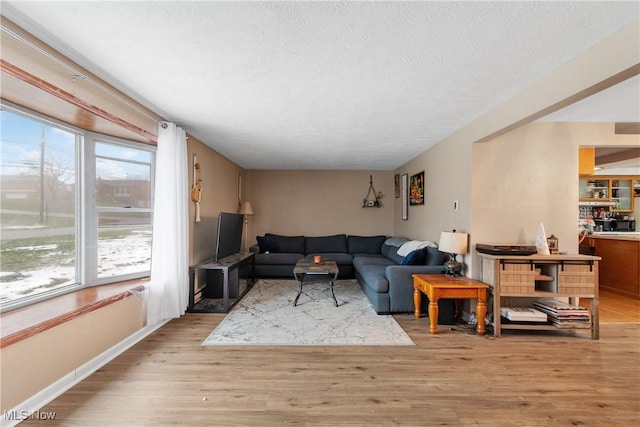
[246, 210]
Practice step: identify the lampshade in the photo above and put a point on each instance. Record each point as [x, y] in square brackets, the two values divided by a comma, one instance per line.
[453, 243]
[246, 209]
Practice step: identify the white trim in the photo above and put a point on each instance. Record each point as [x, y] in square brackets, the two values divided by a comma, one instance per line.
[33, 404]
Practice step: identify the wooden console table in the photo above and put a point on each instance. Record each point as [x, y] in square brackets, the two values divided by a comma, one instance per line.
[519, 280]
[233, 276]
[437, 286]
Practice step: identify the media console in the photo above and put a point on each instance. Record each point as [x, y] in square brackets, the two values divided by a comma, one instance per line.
[224, 283]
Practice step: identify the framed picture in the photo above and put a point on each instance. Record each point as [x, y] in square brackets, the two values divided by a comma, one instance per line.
[416, 187]
[396, 181]
[405, 196]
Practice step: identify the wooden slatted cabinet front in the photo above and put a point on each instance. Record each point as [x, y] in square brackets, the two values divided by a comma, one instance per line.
[518, 281]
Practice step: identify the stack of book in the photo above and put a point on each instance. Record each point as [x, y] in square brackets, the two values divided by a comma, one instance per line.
[564, 314]
[523, 314]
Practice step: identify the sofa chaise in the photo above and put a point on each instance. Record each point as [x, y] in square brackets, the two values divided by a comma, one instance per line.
[383, 270]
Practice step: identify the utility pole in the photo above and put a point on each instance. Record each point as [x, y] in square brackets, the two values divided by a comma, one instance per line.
[42, 142]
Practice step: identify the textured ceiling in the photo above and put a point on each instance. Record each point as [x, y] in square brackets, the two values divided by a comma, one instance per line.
[321, 85]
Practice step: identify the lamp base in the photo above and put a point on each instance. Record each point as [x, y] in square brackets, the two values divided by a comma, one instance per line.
[453, 268]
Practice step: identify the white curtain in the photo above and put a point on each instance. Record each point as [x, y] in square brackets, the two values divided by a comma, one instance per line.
[168, 294]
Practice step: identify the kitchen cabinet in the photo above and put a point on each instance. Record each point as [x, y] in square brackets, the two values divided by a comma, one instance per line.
[620, 264]
[594, 189]
[622, 195]
[586, 160]
[617, 189]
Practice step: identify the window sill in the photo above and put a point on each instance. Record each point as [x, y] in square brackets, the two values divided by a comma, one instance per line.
[26, 322]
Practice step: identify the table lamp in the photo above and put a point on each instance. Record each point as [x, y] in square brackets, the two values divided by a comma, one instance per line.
[453, 243]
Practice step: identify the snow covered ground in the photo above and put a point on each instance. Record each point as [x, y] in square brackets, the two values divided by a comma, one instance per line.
[116, 257]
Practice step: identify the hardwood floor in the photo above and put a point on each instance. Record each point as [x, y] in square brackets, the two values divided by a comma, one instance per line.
[618, 308]
[524, 378]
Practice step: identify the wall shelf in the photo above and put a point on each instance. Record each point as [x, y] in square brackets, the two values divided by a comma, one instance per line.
[375, 201]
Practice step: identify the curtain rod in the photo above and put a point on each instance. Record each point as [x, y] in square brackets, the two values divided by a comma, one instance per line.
[77, 74]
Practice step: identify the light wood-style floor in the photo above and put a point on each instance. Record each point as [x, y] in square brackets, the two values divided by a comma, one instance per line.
[455, 378]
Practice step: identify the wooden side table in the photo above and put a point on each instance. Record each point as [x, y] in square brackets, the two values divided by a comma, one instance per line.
[436, 286]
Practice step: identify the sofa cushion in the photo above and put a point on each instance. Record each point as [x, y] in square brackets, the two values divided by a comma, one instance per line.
[414, 258]
[288, 244]
[278, 259]
[325, 244]
[267, 244]
[360, 260]
[365, 244]
[396, 241]
[374, 277]
[432, 256]
[391, 252]
[339, 257]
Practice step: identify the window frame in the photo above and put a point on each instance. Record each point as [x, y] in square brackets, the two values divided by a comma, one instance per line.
[86, 211]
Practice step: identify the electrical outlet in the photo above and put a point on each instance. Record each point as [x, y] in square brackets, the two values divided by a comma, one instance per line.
[456, 206]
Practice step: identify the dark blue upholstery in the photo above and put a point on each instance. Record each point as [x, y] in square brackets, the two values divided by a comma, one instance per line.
[267, 244]
[365, 244]
[326, 244]
[288, 244]
[414, 258]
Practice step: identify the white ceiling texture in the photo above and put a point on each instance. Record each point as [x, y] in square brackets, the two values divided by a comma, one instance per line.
[324, 85]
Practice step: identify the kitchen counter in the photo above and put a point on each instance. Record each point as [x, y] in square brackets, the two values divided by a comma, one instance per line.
[616, 235]
[620, 260]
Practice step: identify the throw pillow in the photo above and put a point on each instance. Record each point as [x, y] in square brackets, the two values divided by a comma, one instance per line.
[432, 256]
[267, 244]
[414, 258]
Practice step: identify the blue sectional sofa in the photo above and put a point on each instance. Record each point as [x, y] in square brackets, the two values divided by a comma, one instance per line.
[277, 255]
[383, 275]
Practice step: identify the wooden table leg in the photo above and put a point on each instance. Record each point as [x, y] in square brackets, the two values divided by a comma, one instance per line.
[417, 301]
[433, 316]
[481, 310]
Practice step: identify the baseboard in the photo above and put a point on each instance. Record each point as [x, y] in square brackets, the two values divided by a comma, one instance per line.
[30, 408]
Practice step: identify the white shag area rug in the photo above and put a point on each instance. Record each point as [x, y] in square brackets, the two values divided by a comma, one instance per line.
[266, 316]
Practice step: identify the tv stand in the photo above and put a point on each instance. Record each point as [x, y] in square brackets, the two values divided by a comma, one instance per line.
[226, 281]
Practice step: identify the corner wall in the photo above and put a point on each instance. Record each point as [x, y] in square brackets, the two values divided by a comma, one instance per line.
[220, 179]
[318, 203]
[448, 165]
[447, 169]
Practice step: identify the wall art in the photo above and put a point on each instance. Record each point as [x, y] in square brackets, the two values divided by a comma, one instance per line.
[416, 188]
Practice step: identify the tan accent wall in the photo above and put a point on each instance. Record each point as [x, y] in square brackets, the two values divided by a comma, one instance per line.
[318, 203]
[32, 364]
[447, 170]
[220, 183]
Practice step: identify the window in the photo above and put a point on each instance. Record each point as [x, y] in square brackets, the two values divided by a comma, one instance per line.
[123, 199]
[76, 208]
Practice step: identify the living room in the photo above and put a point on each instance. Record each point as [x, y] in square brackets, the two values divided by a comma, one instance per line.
[505, 171]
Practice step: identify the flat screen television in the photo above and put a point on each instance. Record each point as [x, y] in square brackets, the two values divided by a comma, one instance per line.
[229, 238]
